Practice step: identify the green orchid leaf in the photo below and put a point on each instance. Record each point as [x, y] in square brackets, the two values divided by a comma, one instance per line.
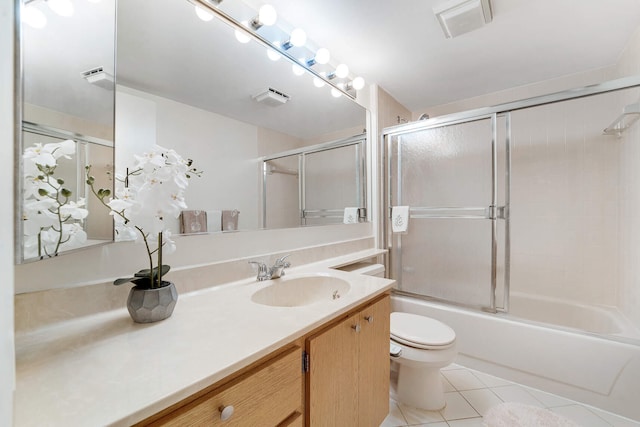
[124, 280]
[143, 273]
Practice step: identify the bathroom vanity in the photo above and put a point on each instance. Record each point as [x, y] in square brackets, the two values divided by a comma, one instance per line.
[275, 365]
[338, 375]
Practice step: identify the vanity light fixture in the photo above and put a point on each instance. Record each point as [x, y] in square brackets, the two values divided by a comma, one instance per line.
[266, 16]
[297, 38]
[355, 84]
[342, 71]
[203, 14]
[200, 11]
[273, 54]
[241, 36]
[297, 68]
[245, 31]
[358, 83]
[61, 7]
[322, 56]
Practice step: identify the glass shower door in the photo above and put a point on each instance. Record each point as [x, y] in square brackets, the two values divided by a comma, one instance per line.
[448, 176]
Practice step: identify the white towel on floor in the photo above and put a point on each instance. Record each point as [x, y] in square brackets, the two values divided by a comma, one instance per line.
[350, 215]
[399, 219]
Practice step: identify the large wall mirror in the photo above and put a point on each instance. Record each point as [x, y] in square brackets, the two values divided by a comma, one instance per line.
[66, 110]
[191, 85]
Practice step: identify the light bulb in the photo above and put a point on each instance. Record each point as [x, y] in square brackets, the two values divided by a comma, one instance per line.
[317, 82]
[203, 14]
[273, 54]
[358, 83]
[335, 93]
[267, 15]
[342, 71]
[322, 56]
[297, 69]
[240, 35]
[298, 37]
[61, 7]
[33, 17]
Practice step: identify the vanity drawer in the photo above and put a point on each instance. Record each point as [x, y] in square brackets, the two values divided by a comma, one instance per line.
[266, 396]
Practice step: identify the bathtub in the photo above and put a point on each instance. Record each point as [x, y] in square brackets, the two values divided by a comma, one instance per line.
[582, 367]
[567, 314]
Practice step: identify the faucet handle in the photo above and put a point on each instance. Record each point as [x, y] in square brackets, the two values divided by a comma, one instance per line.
[263, 270]
[280, 262]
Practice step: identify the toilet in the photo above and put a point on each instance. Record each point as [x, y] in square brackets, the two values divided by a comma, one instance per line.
[421, 346]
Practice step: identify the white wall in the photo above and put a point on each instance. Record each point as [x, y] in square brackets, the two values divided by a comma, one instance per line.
[7, 355]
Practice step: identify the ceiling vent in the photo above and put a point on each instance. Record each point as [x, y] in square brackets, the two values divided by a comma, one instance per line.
[271, 97]
[99, 77]
[461, 16]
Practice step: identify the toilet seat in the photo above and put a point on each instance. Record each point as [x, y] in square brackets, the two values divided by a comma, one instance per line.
[421, 332]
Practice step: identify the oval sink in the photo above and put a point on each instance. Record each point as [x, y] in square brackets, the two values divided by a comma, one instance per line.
[301, 290]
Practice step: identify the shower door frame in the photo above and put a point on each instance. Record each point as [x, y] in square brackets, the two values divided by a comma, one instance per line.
[359, 141]
[596, 89]
[493, 212]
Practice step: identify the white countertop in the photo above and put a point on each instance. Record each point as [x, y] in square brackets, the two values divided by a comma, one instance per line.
[107, 370]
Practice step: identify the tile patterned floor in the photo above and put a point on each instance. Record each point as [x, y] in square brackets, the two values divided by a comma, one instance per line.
[469, 394]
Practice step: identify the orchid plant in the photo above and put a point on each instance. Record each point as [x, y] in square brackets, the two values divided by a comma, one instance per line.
[52, 220]
[146, 196]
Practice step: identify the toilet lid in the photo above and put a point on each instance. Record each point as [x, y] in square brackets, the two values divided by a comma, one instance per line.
[420, 331]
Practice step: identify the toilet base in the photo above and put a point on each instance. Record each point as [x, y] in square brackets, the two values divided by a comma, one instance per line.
[421, 388]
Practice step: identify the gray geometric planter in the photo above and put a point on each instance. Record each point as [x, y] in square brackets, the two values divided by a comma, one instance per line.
[152, 305]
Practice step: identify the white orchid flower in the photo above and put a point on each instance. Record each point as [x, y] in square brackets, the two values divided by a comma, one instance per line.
[64, 149]
[74, 210]
[39, 154]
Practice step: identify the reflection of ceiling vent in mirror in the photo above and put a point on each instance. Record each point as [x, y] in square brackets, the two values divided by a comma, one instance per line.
[457, 17]
[99, 77]
[271, 97]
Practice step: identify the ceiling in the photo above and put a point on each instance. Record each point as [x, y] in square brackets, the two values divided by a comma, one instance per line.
[399, 44]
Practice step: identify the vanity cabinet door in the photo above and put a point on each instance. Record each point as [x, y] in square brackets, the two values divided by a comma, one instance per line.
[333, 375]
[348, 378]
[373, 368]
[270, 395]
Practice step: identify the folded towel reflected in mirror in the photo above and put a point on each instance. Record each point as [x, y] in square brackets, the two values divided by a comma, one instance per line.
[230, 219]
[193, 221]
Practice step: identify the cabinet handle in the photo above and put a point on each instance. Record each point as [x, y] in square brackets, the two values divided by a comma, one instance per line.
[225, 412]
[369, 318]
[356, 327]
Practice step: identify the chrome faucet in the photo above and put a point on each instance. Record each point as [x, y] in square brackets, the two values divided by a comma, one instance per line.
[275, 272]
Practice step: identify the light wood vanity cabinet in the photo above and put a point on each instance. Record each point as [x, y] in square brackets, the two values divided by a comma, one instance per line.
[268, 395]
[348, 379]
[346, 383]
